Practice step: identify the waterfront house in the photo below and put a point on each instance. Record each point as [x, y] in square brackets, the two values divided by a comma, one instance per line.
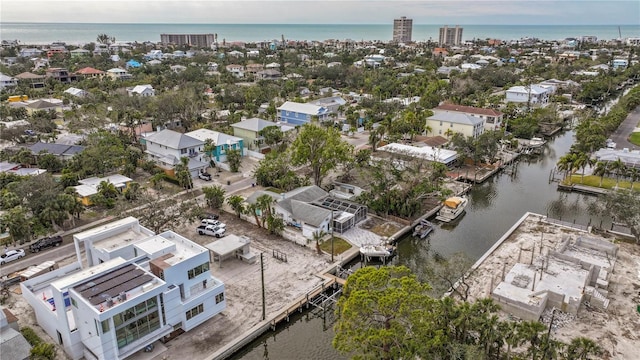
[222, 142]
[141, 90]
[492, 118]
[119, 74]
[428, 153]
[447, 123]
[135, 288]
[532, 94]
[301, 113]
[7, 81]
[89, 187]
[167, 147]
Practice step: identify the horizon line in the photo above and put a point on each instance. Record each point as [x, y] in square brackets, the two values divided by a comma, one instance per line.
[306, 24]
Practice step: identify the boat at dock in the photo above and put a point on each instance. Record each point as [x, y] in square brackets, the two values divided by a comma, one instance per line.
[423, 229]
[377, 251]
[452, 208]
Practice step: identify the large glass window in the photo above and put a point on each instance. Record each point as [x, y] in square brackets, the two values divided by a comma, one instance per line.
[219, 298]
[198, 270]
[136, 322]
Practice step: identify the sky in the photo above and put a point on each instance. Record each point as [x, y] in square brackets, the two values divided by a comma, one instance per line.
[469, 12]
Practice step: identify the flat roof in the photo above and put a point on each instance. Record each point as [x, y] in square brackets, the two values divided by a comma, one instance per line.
[228, 244]
[425, 152]
[121, 239]
[112, 284]
[156, 244]
[76, 277]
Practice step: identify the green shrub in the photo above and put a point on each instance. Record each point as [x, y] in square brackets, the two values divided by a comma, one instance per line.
[32, 338]
[43, 351]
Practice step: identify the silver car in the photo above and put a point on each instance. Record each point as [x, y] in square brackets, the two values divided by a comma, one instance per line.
[11, 255]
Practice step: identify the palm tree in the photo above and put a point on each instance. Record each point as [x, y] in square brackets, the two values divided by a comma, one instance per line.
[566, 164]
[264, 203]
[633, 174]
[182, 173]
[618, 168]
[237, 204]
[581, 348]
[601, 169]
[317, 236]
[252, 209]
[581, 161]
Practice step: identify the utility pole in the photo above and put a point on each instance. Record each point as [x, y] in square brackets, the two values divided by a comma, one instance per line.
[264, 305]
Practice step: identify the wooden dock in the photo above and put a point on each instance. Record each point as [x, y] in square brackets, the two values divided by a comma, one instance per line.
[589, 190]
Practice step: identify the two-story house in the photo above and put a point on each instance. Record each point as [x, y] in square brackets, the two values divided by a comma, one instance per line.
[136, 287]
[531, 94]
[447, 123]
[236, 70]
[301, 113]
[119, 74]
[223, 142]
[60, 74]
[332, 103]
[492, 118]
[167, 147]
[90, 73]
[249, 130]
[34, 81]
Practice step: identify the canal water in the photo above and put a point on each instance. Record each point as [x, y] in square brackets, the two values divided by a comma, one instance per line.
[494, 207]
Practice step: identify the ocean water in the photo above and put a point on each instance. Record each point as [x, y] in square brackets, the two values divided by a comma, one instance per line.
[76, 33]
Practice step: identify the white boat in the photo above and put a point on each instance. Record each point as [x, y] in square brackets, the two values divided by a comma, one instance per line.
[377, 251]
[423, 229]
[452, 208]
[536, 142]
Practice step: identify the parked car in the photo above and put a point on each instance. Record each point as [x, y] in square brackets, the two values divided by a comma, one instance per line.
[211, 230]
[52, 241]
[11, 255]
[213, 222]
[209, 216]
[205, 176]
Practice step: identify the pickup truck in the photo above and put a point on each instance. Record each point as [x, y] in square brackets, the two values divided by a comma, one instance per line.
[211, 230]
[52, 241]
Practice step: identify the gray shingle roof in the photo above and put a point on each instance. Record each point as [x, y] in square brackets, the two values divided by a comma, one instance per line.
[56, 149]
[173, 139]
[306, 194]
[309, 214]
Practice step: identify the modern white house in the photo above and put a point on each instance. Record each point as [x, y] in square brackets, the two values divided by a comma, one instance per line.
[534, 94]
[446, 123]
[165, 148]
[136, 287]
[119, 74]
[492, 118]
[141, 90]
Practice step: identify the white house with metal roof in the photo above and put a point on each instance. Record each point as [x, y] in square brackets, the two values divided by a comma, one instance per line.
[137, 287]
[165, 148]
[301, 113]
[141, 90]
[445, 123]
[429, 153]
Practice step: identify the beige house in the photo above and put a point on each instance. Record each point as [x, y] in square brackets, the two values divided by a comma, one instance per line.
[447, 123]
[249, 130]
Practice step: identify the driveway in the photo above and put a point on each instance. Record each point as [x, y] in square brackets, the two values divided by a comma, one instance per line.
[625, 129]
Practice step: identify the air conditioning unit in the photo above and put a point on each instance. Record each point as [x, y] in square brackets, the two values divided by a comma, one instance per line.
[147, 287]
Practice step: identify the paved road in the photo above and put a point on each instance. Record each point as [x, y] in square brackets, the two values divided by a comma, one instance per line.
[625, 129]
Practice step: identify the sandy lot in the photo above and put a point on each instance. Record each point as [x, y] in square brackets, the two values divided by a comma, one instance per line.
[616, 330]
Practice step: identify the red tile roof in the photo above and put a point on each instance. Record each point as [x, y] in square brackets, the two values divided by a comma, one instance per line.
[89, 71]
[469, 109]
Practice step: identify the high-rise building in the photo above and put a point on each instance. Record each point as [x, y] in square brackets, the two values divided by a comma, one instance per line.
[402, 29]
[450, 36]
[197, 40]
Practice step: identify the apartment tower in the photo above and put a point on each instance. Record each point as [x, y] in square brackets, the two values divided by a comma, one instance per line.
[402, 29]
[450, 36]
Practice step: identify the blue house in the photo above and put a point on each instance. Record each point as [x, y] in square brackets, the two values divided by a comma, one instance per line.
[132, 64]
[301, 113]
[222, 141]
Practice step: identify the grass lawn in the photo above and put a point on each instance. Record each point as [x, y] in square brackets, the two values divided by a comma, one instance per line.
[635, 138]
[339, 246]
[275, 190]
[607, 183]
